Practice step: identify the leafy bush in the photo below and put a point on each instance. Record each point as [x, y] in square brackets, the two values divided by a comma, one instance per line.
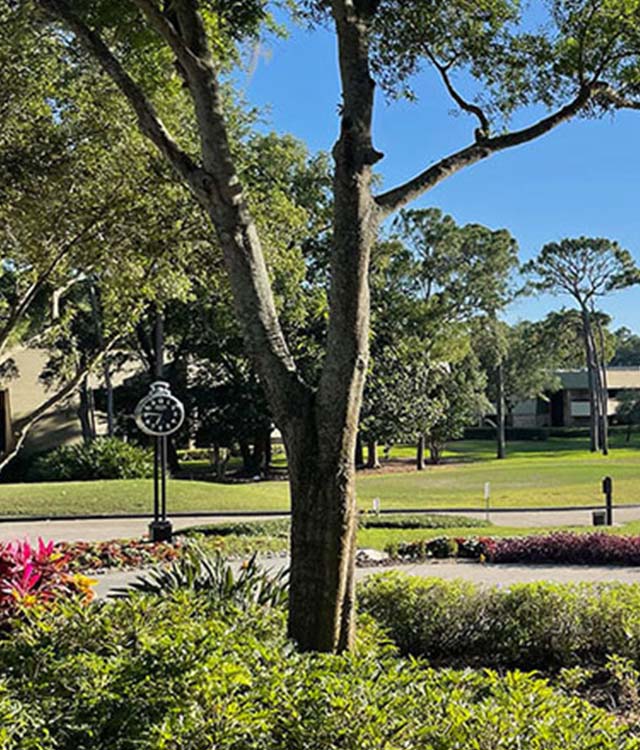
[196, 570]
[435, 521]
[117, 553]
[33, 575]
[281, 527]
[532, 626]
[175, 673]
[277, 527]
[561, 547]
[567, 548]
[104, 458]
[441, 547]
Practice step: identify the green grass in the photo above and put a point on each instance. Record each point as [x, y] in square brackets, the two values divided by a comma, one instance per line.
[558, 472]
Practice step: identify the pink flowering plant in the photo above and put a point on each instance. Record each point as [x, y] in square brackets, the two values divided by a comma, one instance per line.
[36, 574]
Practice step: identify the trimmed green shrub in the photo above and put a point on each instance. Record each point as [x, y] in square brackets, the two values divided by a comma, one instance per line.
[104, 458]
[179, 673]
[281, 527]
[426, 521]
[277, 527]
[541, 626]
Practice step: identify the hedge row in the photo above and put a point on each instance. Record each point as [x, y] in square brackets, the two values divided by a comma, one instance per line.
[169, 673]
[560, 547]
[541, 626]
[281, 527]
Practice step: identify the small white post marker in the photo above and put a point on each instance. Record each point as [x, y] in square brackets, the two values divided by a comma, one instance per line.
[376, 505]
[487, 495]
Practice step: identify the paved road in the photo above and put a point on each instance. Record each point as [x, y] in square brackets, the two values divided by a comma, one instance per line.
[501, 575]
[123, 528]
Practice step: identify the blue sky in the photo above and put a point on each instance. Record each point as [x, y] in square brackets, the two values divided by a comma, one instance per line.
[581, 179]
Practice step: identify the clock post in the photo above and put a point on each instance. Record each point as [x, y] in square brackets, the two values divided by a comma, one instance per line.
[159, 414]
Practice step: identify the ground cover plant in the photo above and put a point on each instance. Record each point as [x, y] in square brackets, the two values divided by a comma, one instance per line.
[541, 626]
[556, 472]
[117, 553]
[189, 671]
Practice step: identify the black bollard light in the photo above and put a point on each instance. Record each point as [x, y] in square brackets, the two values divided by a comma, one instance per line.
[607, 489]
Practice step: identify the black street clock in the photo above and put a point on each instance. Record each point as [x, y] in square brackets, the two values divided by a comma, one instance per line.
[159, 413]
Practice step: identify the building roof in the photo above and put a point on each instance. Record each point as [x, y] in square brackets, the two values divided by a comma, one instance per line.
[617, 377]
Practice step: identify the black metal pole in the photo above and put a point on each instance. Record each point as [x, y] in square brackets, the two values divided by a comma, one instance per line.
[163, 476]
[159, 344]
[156, 479]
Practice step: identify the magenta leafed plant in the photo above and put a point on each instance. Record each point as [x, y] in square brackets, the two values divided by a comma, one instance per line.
[568, 548]
[34, 574]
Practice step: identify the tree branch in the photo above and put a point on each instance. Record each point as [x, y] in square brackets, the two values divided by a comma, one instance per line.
[150, 123]
[604, 93]
[473, 109]
[23, 304]
[215, 185]
[399, 196]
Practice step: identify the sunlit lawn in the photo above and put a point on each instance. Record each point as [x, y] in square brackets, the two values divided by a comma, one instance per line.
[556, 472]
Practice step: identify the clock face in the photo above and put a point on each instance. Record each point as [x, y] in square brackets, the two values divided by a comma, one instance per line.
[160, 414]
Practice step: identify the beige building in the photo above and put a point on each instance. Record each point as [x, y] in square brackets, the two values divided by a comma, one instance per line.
[569, 406]
[21, 395]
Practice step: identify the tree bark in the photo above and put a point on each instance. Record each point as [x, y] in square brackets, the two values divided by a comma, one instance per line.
[322, 591]
[501, 447]
[359, 455]
[372, 455]
[604, 389]
[96, 309]
[268, 452]
[84, 413]
[594, 395]
[420, 454]
[434, 452]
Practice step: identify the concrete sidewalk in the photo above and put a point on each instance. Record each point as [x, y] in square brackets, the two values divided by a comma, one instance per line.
[97, 529]
[485, 575]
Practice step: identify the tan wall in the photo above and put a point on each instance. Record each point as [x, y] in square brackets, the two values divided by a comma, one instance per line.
[26, 392]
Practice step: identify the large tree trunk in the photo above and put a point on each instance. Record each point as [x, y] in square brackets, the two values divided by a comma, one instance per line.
[359, 457]
[604, 389]
[435, 452]
[84, 414]
[96, 311]
[594, 395]
[323, 541]
[372, 455]
[322, 607]
[319, 427]
[420, 454]
[501, 447]
[268, 452]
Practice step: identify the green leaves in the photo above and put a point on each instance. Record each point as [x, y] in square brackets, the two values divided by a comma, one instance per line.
[583, 267]
[176, 672]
